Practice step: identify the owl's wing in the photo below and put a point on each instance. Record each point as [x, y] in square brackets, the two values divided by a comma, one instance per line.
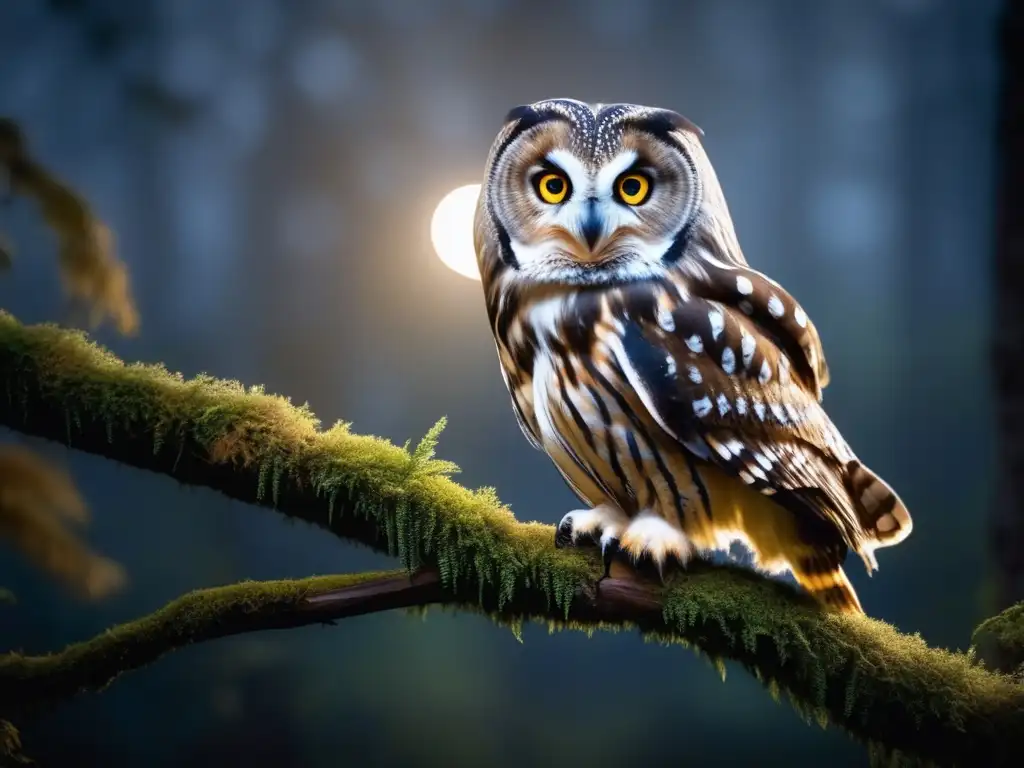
[713, 380]
[772, 309]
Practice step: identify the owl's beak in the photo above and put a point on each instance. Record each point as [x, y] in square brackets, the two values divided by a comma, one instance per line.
[592, 225]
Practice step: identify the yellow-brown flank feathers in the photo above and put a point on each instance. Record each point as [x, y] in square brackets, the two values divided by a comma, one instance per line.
[771, 534]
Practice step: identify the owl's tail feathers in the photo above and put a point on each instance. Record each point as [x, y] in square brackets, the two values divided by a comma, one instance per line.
[827, 583]
[884, 518]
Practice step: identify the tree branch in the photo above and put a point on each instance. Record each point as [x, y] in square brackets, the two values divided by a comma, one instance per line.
[32, 682]
[862, 675]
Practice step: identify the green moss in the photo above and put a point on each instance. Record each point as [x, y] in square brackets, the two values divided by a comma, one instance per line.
[197, 615]
[843, 665]
[1000, 640]
[425, 516]
[857, 673]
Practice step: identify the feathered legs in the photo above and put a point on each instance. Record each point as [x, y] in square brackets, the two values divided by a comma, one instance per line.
[603, 525]
[647, 536]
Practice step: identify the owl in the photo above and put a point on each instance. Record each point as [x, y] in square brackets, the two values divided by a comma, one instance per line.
[676, 389]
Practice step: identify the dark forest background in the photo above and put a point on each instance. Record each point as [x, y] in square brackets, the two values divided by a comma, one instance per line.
[269, 168]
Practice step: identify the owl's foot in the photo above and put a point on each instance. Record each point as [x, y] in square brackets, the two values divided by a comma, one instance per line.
[602, 525]
[651, 537]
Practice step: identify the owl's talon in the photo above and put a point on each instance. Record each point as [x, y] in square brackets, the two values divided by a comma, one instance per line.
[650, 538]
[589, 526]
[609, 549]
[564, 534]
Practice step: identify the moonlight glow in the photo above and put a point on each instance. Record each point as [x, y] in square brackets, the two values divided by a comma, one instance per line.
[451, 230]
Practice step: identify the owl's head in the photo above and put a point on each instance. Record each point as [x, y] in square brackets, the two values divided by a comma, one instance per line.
[580, 195]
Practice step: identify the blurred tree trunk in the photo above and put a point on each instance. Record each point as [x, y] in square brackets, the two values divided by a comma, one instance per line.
[1008, 517]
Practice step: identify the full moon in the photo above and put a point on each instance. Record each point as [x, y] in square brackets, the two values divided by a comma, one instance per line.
[451, 230]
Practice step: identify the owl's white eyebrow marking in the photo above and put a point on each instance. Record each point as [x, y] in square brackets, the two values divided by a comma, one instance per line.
[611, 170]
[776, 307]
[574, 169]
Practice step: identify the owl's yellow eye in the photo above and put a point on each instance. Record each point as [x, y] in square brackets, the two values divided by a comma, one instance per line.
[633, 188]
[552, 188]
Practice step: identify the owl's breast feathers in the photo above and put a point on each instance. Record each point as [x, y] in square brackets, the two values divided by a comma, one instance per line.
[699, 395]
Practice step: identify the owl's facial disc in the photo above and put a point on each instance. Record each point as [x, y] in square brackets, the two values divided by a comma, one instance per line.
[612, 213]
[591, 224]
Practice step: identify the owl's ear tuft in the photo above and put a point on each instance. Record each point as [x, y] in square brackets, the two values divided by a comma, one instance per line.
[661, 122]
[518, 113]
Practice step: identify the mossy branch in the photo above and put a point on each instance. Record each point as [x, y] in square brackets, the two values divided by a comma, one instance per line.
[1000, 640]
[883, 687]
[30, 682]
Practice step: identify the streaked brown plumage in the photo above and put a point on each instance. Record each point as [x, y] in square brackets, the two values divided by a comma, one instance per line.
[676, 389]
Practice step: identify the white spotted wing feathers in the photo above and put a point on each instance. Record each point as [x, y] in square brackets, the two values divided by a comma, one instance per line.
[731, 398]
